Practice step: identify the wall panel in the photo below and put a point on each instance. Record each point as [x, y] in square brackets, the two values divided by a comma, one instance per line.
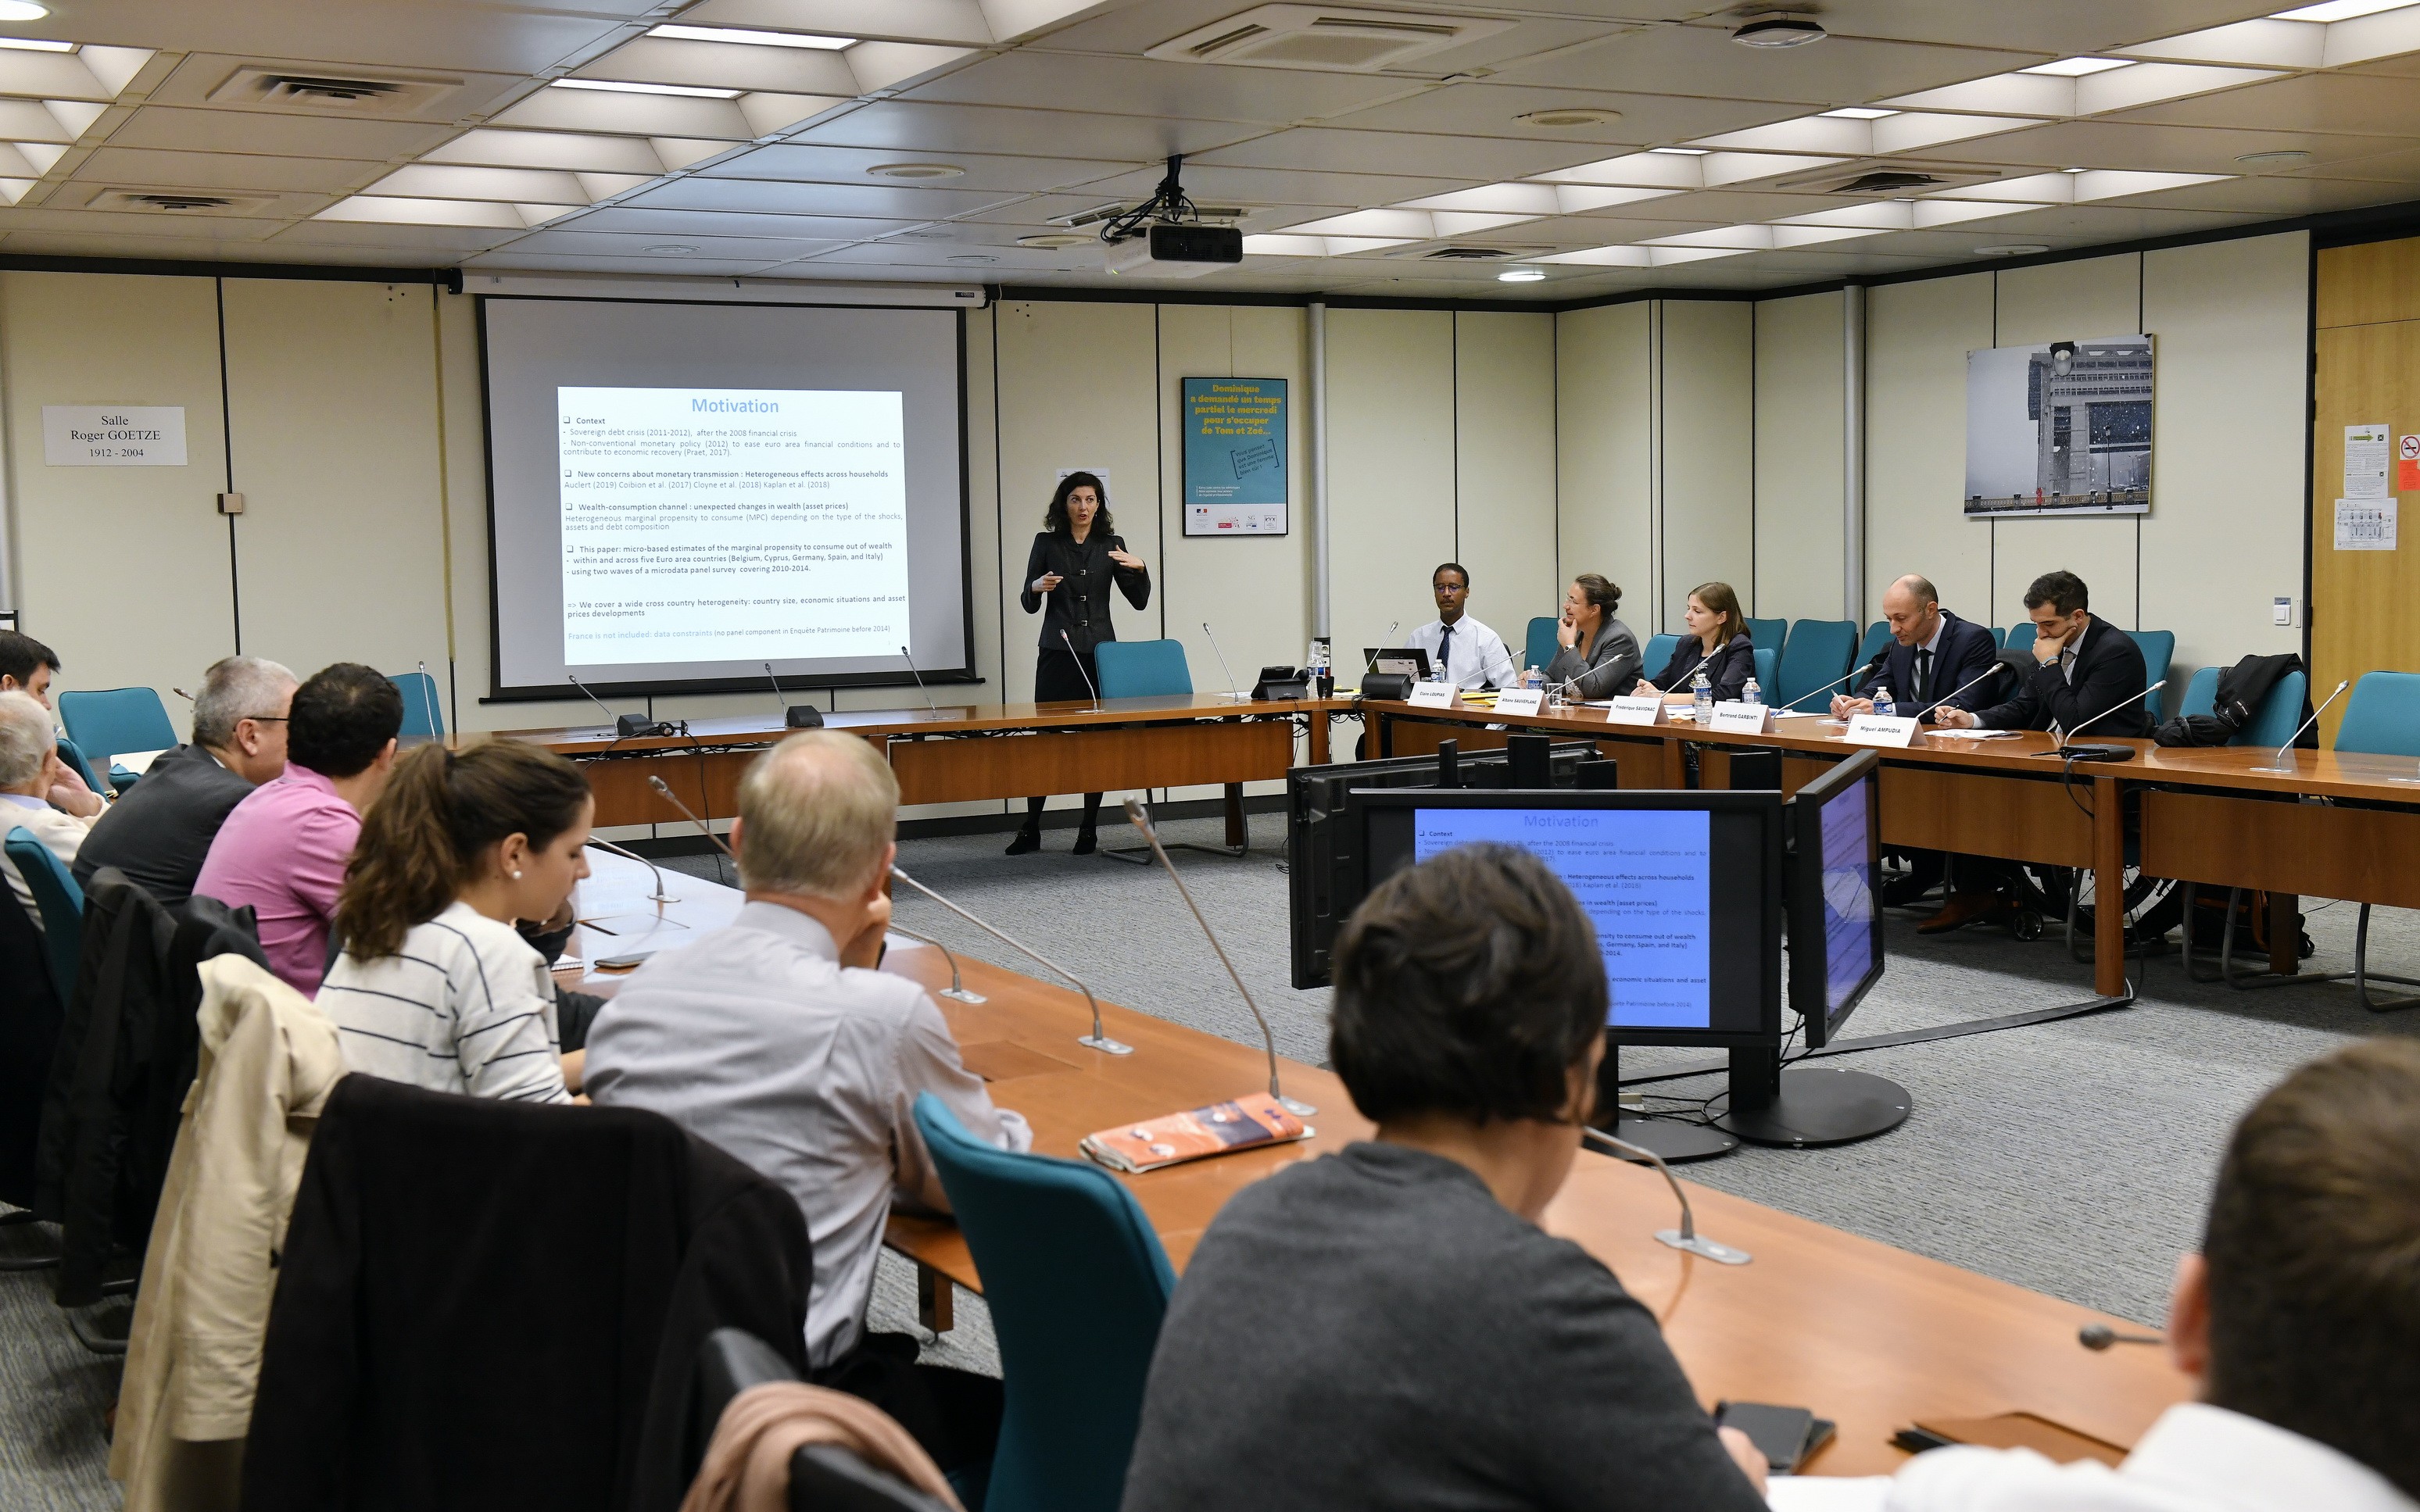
[1708, 447]
[1605, 381]
[1801, 375]
[1390, 469]
[1504, 381]
[1918, 337]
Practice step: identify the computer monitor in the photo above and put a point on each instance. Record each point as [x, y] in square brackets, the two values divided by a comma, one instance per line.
[1836, 934]
[1406, 661]
[1685, 888]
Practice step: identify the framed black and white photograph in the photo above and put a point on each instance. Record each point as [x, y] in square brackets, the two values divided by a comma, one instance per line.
[2059, 428]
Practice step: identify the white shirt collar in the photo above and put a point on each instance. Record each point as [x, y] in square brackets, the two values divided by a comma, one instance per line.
[2210, 1457]
[1940, 628]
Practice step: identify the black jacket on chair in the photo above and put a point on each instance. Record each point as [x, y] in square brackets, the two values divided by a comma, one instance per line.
[1728, 669]
[490, 1304]
[1965, 653]
[161, 831]
[2108, 672]
[30, 1014]
[1080, 604]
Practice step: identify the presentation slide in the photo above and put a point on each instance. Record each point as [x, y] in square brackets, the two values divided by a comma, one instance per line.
[1849, 922]
[706, 525]
[683, 493]
[1643, 875]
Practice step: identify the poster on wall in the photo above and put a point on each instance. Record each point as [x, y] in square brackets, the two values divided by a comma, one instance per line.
[1235, 457]
[2059, 428]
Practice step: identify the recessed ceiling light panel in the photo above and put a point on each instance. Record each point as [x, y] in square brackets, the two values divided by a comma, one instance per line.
[748, 36]
[1521, 275]
[1858, 113]
[35, 44]
[22, 10]
[616, 87]
[917, 171]
[2078, 68]
[2339, 10]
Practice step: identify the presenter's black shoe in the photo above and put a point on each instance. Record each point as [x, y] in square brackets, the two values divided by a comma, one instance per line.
[1086, 840]
[1027, 841]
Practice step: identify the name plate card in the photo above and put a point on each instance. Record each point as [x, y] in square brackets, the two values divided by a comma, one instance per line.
[1742, 720]
[1432, 695]
[1643, 710]
[1880, 730]
[1520, 701]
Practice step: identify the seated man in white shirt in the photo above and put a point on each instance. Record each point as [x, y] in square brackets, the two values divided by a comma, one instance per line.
[30, 770]
[1461, 650]
[2300, 1319]
[776, 1039]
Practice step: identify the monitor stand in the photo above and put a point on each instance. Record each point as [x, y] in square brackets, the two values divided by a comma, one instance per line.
[1805, 1107]
[1674, 1140]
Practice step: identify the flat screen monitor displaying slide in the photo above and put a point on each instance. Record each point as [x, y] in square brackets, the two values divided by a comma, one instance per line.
[1683, 889]
[682, 493]
[1835, 934]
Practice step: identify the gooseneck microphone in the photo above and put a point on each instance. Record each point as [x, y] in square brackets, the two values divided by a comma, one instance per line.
[1079, 668]
[428, 701]
[2278, 763]
[2067, 750]
[1141, 817]
[794, 716]
[1098, 1040]
[1992, 671]
[957, 990]
[2098, 1337]
[1371, 665]
[664, 791]
[659, 895]
[625, 725]
[1853, 674]
[1686, 1237]
[1234, 691]
[920, 682]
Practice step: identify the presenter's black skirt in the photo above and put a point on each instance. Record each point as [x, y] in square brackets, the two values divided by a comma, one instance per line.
[1058, 679]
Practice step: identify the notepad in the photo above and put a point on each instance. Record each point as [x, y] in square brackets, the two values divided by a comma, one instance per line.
[1220, 1128]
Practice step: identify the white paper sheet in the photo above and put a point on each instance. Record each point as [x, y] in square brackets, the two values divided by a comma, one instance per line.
[2365, 524]
[2364, 460]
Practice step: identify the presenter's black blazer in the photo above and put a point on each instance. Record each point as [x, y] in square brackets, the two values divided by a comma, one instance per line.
[1080, 604]
[1728, 669]
[2108, 672]
[1965, 653]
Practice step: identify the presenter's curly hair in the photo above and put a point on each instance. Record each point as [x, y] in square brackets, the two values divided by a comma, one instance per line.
[423, 840]
[1055, 518]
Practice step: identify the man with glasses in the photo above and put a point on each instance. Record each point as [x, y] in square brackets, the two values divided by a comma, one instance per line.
[161, 831]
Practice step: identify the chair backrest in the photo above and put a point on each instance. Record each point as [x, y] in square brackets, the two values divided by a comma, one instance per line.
[2201, 694]
[2159, 653]
[31, 1014]
[1768, 676]
[824, 1478]
[1540, 647]
[2382, 717]
[2000, 637]
[1142, 669]
[2021, 637]
[1817, 654]
[423, 714]
[113, 720]
[1659, 651]
[1769, 633]
[72, 754]
[2279, 715]
[61, 901]
[1877, 636]
[1078, 1285]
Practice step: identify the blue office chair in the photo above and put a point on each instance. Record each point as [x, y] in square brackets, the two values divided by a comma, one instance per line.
[2000, 637]
[1541, 645]
[58, 900]
[2019, 638]
[424, 715]
[1817, 653]
[1142, 669]
[2273, 724]
[1769, 633]
[1078, 1285]
[1877, 636]
[114, 720]
[1768, 662]
[73, 756]
[2159, 653]
[1658, 651]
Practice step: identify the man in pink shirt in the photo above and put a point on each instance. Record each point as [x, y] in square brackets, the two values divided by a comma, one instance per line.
[284, 848]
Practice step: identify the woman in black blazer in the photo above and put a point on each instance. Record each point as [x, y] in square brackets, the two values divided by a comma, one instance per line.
[1073, 563]
[1714, 620]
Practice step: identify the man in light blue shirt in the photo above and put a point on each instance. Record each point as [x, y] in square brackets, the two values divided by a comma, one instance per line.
[775, 1038]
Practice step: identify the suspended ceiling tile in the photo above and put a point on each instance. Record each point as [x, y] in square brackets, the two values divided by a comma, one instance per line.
[1136, 28]
[1703, 60]
[990, 263]
[961, 21]
[2312, 102]
[1476, 159]
[1074, 81]
[1210, 184]
[442, 243]
[1488, 109]
[136, 223]
[2405, 66]
[921, 202]
[673, 226]
[512, 257]
[2100, 223]
[813, 162]
[2060, 27]
[222, 170]
[275, 135]
[2401, 167]
[1040, 209]
[909, 126]
[582, 242]
[2279, 195]
[2160, 148]
[427, 33]
[788, 71]
[204, 80]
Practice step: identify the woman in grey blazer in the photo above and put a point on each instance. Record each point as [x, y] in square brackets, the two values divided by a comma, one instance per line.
[1598, 649]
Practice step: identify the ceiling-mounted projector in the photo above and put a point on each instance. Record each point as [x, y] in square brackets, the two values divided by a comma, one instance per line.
[1177, 250]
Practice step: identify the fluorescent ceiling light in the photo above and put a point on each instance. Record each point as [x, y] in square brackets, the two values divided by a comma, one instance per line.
[1521, 275]
[2077, 68]
[2339, 10]
[1857, 112]
[688, 91]
[751, 38]
[1679, 152]
[22, 10]
[35, 44]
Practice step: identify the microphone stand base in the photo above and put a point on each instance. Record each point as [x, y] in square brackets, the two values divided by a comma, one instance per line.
[1671, 1138]
[1818, 1106]
[959, 994]
[1700, 1244]
[1299, 1109]
[1104, 1044]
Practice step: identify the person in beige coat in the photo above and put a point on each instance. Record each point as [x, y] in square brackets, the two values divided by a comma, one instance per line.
[269, 1059]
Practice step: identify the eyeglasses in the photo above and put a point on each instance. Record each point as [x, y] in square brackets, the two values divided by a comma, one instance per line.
[261, 719]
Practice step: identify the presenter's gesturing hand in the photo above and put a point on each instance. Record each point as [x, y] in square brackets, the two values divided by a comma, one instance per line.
[1046, 582]
[1126, 560]
[1565, 631]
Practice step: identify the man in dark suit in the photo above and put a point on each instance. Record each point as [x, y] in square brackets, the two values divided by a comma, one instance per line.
[1933, 657]
[161, 831]
[2084, 668]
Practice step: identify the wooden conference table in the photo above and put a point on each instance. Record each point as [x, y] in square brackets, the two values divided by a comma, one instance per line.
[1871, 1337]
[960, 751]
[2204, 814]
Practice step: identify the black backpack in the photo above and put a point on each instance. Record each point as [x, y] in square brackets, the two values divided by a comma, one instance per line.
[2242, 689]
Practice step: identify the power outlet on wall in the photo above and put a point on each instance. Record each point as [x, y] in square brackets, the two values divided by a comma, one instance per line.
[2280, 612]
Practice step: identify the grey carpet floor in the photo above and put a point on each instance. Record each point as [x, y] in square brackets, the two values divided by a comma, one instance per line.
[2073, 1158]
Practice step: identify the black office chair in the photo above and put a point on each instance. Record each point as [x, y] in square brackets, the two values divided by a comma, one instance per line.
[823, 1477]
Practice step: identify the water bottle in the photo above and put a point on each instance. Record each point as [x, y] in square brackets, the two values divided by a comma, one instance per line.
[1882, 705]
[1701, 695]
[1751, 693]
